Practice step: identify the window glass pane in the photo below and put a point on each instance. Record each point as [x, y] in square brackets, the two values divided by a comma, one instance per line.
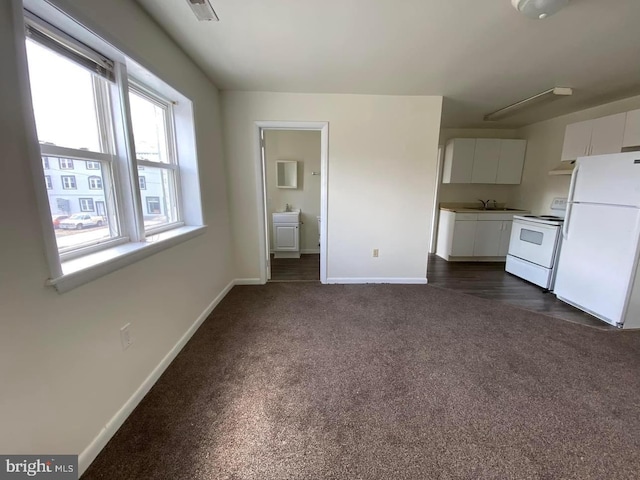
[149, 129]
[64, 102]
[159, 197]
[81, 214]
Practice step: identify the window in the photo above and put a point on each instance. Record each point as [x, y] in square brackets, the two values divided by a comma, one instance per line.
[65, 164]
[153, 205]
[151, 118]
[68, 182]
[95, 183]
[86, 204]
[77, 94]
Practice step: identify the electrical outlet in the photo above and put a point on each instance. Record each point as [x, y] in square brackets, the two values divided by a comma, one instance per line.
[125, 336]
[376, 253]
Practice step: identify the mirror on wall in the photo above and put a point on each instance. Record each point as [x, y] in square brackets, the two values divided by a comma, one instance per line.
[287, 173]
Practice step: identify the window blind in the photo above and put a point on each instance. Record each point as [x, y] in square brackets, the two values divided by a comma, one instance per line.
[46, 34]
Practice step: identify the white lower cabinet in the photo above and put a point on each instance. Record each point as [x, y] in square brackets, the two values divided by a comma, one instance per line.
[487, 238]
[474, 236]
[505, 236]
[462, 239]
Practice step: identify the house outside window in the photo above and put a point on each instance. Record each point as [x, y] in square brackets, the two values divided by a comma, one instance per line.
[65, 163]
[153, 206]
[68, 182]
[86, 204]
[95, 183]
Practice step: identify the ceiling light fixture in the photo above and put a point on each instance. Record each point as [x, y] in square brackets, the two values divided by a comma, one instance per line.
[203, 10]
[513, 109]
[538, 9]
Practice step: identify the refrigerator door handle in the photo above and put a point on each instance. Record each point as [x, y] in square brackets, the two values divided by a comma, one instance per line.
[572, 187]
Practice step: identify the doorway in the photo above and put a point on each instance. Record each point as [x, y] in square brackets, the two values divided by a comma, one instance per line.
[293, 177]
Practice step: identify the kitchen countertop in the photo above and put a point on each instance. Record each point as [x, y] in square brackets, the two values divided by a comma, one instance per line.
[515, 211]
[471, 208]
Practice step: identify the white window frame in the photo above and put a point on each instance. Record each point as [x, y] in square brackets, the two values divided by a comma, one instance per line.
[71, 269]
[45, 163]
[48, 182]
[90, 165]
[82, 207]
[142, 182]
[154, 97]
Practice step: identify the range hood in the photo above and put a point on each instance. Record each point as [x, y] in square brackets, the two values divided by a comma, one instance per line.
[565, 168]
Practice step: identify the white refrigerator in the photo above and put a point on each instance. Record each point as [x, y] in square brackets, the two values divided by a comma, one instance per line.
[598, 266]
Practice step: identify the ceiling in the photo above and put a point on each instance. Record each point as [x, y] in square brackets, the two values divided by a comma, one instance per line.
[481, 55]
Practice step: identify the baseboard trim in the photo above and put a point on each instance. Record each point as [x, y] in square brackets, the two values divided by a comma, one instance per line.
[90, 453]
[248, 281]
[362, 280]
[306, 251]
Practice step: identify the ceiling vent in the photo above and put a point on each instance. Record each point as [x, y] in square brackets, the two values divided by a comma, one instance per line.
[538, 9]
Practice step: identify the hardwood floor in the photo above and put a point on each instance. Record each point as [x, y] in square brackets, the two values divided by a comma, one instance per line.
[489, 280]
[303, 269]
[480, 279]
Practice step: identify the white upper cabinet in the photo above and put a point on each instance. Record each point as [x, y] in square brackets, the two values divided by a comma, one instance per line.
[485, 160]
[607, 134]
[631, 136]
[511, 161]
[595, 137]
[577, 138]
[458, 160]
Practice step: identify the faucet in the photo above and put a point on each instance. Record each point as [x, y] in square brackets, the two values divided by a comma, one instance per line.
[485, 204]
[287, 208]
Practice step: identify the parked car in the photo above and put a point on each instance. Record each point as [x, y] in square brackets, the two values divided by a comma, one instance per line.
[78, 221]
[57, 219]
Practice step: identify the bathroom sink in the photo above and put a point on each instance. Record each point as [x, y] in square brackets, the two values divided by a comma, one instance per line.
[286, 217]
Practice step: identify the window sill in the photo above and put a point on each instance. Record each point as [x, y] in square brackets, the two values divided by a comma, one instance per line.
[82, 270]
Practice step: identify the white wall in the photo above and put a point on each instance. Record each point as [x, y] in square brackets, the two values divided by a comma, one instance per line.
[63, 373]
[304, 147]
[453, 192]
[382, 164]
[544, 148]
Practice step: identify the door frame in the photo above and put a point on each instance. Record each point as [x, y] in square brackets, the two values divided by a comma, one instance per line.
[263, 220]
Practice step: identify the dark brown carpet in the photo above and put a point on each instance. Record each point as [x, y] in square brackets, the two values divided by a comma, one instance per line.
[310, 381]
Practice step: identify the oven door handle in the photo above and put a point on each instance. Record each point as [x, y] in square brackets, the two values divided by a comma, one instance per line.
[572, 187]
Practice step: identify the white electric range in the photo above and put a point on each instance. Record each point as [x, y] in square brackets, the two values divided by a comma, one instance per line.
[534, 247]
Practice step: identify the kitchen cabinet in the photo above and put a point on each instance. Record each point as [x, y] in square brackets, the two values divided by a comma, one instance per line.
[487, 238]
[511, 161]
[631, 137]
[599, 136]
[482, 236]
[458, 160]
[484, 160]
[505, 237]
[462, 243]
